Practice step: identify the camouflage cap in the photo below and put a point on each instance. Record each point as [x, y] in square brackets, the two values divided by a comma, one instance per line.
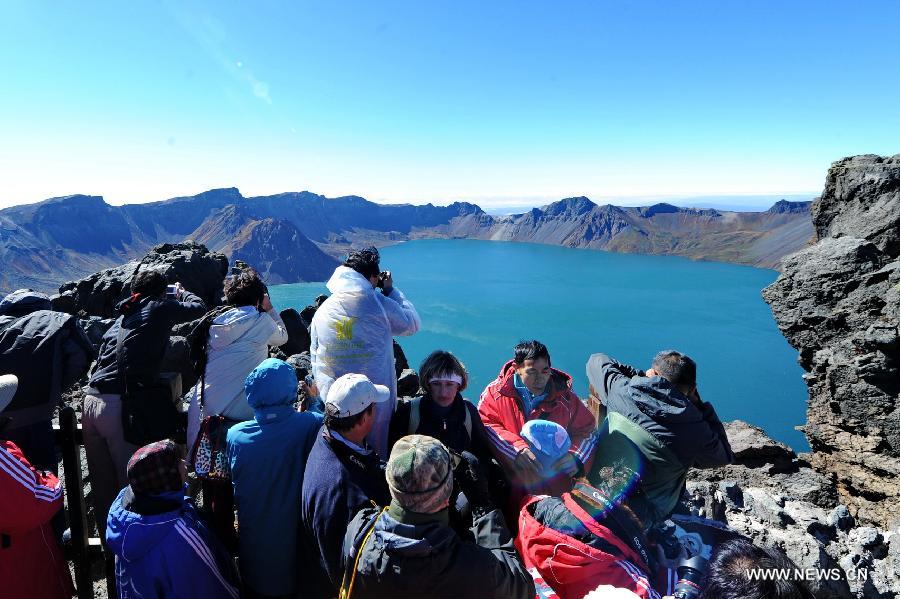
[419, 474]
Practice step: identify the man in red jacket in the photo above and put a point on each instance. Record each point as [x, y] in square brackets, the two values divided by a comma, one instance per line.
[31, 563]
[528, 388]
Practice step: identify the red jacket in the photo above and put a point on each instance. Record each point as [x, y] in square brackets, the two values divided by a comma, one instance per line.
[503, 413]
[31, 563]
[572, 568]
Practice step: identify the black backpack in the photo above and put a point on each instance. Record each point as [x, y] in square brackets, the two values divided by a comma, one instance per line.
[198, 339]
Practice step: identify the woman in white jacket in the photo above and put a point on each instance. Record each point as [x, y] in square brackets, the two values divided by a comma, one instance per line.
[239, 340]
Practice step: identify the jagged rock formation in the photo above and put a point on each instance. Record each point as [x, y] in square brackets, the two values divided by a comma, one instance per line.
[191, 264]
[776, 498]
[838, 303]
[296, 236]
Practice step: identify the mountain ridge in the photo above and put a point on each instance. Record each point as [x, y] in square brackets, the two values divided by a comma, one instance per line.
[300, 235]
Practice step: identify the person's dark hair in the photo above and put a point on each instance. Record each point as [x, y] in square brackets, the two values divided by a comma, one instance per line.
[676, 368]
[726, 576]
[531, 350]
[440, 362]
[365, 261]
[244, 288]
[341, 425]
[149, 283]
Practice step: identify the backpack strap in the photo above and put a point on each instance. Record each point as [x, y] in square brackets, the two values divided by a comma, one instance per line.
[468, 419]
[415, 415]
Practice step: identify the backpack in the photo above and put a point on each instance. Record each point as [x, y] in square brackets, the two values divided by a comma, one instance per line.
[415, 416]
[198, 339]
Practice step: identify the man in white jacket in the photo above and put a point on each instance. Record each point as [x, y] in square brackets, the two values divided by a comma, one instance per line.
[353, 330]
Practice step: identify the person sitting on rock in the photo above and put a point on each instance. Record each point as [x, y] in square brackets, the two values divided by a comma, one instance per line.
[146, 323]
[268, 456]
[32, 565]
[161, 546]
[343, 474]
[409, 550]
[526, 389]
[352, 331]
[440, 411]
[659, 412]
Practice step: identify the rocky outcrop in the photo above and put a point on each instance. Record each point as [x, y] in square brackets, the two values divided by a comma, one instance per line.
[191, 264]
[838, 303]
[776, 498]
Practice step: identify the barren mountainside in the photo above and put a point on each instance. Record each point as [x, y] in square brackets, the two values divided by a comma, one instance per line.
[299, 236]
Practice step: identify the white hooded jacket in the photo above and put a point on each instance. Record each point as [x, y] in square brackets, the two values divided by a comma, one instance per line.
[352, 331]
[238, 341]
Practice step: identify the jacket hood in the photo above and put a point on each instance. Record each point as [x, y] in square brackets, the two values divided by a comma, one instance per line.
[560, 381]
[231, 326]
[347, 280]
[132, 303]
[411, 540]
[272, 383]
[659, 399]
[22, 302]
[132, 535]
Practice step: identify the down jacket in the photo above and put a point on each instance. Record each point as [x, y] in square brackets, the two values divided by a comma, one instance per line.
[503, 413]
[239, 341]
[32, 565]
[352, 331]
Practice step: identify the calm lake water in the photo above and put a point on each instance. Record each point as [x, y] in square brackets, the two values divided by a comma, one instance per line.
[479, 298]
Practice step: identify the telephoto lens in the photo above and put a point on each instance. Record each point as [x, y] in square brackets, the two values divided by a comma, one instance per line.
[690, 573]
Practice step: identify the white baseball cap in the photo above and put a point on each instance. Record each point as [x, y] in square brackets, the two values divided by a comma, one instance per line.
[353, 393]
[8, 385]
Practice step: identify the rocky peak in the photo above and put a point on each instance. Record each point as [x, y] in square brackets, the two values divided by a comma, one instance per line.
[661, 208]
[569, 207]
[838, 303]
[785, 207]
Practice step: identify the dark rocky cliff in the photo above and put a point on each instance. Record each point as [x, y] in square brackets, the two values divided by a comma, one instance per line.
[838, 303]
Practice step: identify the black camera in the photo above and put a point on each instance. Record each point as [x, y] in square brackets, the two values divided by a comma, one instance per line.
[690, 575]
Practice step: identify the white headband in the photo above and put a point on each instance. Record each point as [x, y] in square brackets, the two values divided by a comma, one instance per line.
[450, 377]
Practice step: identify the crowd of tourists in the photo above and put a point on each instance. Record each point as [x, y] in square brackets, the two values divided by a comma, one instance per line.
[526, 493]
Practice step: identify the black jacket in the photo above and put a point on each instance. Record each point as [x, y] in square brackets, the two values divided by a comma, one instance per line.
[449, 429]
[46, 350]
[412, 556]
[148, 322]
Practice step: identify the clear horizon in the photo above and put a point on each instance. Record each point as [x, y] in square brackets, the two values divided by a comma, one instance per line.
[504, 105]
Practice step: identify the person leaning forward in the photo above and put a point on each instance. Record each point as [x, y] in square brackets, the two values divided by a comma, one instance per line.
[660, 412]
[409, 550]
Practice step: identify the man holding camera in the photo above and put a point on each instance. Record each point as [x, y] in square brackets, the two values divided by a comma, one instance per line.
[658, 412]
[353, 330]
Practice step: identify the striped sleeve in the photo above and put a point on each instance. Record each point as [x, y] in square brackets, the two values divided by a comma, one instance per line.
[28, 498]
[209, 578]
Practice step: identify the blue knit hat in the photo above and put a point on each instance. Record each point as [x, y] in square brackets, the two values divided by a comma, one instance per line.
[272, 383]
[548, 440]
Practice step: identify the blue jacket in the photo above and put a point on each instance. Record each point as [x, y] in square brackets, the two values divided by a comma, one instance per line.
[268, 456]
[338, 482]
[164, 551]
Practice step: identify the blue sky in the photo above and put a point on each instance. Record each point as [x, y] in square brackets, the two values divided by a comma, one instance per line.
[497, 102]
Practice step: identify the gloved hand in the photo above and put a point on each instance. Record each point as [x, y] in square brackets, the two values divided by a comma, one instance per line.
[473, 482]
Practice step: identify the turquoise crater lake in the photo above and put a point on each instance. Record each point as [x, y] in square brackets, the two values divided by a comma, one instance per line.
[478, 298]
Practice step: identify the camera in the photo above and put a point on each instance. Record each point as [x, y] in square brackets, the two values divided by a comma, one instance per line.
[382, 276]
[690, 574]
[172, 291]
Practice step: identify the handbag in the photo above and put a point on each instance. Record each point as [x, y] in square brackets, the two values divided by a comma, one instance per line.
[209, 454]
[148, 412]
